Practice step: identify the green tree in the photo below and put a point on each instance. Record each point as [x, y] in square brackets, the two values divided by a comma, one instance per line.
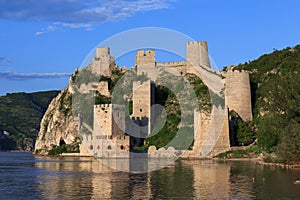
[244, 133]
[267, 134]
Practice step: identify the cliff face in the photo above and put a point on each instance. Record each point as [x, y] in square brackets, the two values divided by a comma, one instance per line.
[58, 125]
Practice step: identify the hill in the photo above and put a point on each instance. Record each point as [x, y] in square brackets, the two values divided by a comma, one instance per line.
[20, 116]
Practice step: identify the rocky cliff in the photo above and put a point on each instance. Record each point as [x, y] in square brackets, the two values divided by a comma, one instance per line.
[58, 125]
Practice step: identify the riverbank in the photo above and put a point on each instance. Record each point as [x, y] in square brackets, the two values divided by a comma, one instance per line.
[282, 165]
[259, 159]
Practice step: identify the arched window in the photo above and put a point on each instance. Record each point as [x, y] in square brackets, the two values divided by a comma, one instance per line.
[91, 147]
[109, 147]
[122, 147]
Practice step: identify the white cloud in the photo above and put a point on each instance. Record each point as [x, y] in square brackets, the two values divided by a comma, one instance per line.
[21, 76]
[76, 13]
[40, 32]
[74, 25]
[48, 29]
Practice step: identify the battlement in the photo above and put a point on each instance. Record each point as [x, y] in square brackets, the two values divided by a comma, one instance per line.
[171, 64]
[114, 107]
[232, 71]
[145, 57]
[197, 54]
[139, 118]
[102, 52]
[201, 43]
[111, 137]
[120, 137]
[140, 121]
[103, 106]
[235, 73]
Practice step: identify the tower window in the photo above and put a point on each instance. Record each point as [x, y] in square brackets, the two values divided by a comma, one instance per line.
[141, 110]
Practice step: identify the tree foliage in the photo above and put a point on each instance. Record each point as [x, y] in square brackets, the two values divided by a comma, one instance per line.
[275, 85]
[20, 115]
[244, 133]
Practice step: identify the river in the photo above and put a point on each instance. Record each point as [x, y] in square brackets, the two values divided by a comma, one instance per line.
[23, 176]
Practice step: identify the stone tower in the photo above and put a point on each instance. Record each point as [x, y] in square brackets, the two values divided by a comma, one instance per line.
[145, 57]
[110, 119]
[103, 62]
[109, 138]
[238, 93]
[143, 99]
[146, 64]
[197, 54]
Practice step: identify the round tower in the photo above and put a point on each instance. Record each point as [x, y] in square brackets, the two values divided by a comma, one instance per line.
[238, 93]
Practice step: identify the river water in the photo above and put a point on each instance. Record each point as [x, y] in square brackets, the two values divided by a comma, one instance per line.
[23, 176]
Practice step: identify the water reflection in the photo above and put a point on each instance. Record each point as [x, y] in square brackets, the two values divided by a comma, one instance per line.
[86, 178]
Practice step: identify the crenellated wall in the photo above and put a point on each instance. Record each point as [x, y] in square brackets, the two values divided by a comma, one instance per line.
[211, 130]
[171, 64]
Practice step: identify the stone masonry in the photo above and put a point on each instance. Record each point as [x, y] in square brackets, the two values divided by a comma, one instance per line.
[211, 130]
[238, 93]
[103, 62]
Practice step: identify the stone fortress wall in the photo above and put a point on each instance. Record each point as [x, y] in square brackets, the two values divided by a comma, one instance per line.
[237, 98]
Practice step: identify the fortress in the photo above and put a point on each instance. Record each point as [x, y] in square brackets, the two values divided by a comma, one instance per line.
[110, 137]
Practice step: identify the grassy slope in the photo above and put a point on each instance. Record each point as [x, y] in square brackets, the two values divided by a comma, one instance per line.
[20, 115]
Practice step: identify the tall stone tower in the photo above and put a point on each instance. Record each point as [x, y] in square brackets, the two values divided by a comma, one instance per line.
[238, 93]
[197, 54]
[103, 62]
[142, 99]
[146, 64]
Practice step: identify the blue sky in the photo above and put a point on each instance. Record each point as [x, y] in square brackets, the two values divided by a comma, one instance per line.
[41, 42]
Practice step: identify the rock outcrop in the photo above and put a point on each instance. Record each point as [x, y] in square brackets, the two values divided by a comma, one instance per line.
[58, 124]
